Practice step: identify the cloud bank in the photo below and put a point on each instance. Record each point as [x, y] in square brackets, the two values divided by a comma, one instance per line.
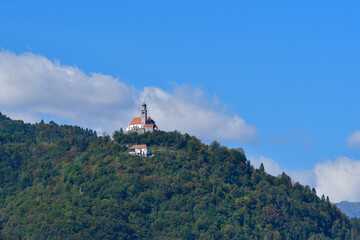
[33, 86]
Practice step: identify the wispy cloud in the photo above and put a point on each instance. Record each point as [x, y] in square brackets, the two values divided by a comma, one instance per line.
[280, 140]
[33, 86]
[353, 141]
[296, 134]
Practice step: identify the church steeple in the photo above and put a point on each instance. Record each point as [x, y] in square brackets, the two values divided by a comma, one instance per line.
[143, 115]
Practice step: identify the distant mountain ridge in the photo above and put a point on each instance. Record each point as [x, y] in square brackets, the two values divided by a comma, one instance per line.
[352, 209]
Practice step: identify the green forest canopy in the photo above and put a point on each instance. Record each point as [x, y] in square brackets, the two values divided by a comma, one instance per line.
[64, 182]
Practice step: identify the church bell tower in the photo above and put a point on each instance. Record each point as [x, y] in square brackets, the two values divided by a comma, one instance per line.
[143, 115]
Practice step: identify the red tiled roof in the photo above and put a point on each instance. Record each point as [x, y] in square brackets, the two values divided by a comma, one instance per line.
[137, 120]
[138, 146]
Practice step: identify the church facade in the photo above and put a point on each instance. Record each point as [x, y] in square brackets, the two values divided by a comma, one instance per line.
[142, 124]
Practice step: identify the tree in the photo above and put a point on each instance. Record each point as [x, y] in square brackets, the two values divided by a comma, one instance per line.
[261, 168]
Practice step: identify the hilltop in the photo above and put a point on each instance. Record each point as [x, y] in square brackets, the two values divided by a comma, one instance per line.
[65, 182]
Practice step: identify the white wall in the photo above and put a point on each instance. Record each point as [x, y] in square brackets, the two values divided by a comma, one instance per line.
[130, 127]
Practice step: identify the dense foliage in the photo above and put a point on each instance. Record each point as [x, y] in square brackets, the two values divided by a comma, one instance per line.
[64, 182]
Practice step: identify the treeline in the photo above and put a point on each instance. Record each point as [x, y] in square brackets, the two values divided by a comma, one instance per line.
[12, 131]
[71, 184]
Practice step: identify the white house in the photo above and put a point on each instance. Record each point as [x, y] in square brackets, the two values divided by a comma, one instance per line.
[140, 150]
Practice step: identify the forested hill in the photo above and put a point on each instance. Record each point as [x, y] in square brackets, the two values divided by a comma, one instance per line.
[64, 182]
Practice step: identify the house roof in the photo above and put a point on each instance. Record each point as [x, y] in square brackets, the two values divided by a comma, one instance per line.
[137, 120]
[141, 146]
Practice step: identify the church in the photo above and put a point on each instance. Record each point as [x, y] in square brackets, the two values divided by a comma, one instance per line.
[142, 124]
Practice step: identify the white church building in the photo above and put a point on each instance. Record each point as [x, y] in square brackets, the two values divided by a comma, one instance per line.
[142, 124]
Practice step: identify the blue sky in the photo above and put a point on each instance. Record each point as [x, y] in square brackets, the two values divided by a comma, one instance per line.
[290, 69]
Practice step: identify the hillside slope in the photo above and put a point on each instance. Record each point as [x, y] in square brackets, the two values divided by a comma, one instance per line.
[64, 182]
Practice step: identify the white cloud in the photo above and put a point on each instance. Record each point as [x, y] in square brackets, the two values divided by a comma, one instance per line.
[189, 109]
[353, 140]
[338, 179]
[32, 86]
